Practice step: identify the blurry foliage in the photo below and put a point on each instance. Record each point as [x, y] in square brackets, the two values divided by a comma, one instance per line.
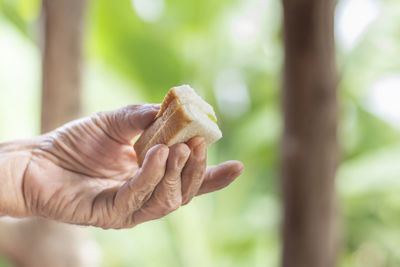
[130, 60]
[369, 174]
[151, 54]
[21, 13]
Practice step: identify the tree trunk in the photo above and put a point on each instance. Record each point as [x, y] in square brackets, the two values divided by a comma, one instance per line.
[62, 58]
[39, 242]
[310, 150]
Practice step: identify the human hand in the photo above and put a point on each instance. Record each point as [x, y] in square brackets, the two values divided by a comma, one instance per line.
[86, 172]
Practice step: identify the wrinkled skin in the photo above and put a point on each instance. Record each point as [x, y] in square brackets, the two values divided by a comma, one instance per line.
[86, 172]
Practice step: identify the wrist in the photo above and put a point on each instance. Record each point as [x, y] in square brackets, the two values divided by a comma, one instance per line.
[15, 157]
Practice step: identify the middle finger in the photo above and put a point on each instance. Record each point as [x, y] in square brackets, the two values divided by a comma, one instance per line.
[194, 171]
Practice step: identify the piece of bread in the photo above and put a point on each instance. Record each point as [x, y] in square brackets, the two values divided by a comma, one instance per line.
[183, 115]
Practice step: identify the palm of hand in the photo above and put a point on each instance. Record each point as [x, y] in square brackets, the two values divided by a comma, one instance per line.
[86, 172]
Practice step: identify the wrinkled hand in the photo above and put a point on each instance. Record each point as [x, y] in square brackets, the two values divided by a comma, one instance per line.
[86, 172]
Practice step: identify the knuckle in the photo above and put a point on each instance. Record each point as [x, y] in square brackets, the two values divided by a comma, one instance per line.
[172, 182]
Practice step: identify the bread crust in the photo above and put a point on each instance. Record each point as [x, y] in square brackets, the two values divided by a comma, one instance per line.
[171, 96]
[169, 121]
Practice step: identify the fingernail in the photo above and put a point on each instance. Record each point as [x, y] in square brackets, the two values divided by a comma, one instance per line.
[200, 150]
[196, 141]
[163, 153]
[184, 157]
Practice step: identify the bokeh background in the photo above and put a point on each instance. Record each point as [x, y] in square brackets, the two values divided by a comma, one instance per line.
[231, 52]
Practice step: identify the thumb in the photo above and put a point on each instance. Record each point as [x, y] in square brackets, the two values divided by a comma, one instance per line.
[125, 123]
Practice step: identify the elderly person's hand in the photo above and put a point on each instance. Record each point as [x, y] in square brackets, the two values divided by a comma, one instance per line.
[86, 172]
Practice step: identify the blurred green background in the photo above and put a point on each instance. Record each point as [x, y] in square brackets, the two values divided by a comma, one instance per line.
[230, 51]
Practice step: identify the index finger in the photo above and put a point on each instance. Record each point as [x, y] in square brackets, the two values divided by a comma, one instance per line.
[135, 192]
